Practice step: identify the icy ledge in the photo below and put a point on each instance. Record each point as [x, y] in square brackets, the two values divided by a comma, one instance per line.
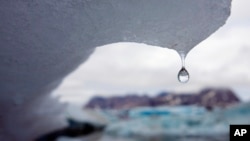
[43, 41]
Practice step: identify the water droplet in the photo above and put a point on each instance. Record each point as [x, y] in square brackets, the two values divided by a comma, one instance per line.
[183, 75]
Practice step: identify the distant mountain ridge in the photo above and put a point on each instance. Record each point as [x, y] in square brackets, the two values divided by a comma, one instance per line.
[209, 98]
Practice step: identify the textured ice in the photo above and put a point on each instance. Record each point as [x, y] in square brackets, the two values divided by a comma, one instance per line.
[239, 114]
[179, 121]
[43, 41]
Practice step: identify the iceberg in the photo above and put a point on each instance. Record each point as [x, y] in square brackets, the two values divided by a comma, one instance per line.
[43, 41]
[238, 114]
[170, 122]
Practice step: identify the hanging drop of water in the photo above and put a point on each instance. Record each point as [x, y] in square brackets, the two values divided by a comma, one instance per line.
[183, 75]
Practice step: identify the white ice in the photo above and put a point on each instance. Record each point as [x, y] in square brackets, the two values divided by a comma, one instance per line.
[43, 41]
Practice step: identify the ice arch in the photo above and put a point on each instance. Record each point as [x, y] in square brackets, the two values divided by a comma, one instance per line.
[42, 41]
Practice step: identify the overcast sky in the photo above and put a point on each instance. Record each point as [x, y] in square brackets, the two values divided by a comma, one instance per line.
[221, 60]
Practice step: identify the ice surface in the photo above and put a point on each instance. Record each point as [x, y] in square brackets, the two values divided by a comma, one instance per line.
[43, 41]
[239, 114]
[179, 121]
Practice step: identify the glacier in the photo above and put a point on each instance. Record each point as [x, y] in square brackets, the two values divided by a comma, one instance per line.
[43, 41]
